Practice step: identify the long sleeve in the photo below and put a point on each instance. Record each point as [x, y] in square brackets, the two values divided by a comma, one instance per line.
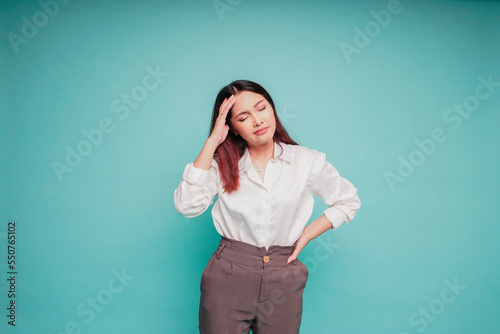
[196, 190]
[338, 193]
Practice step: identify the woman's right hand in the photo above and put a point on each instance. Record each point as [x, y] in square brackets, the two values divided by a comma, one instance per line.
[219, 133]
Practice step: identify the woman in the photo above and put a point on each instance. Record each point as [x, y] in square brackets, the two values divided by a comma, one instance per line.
[265, 184]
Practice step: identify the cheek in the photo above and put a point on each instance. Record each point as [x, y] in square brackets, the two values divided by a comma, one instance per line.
[270, 117]
[242, 127]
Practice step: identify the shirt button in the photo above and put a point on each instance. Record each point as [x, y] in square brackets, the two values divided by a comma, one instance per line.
[265, 259]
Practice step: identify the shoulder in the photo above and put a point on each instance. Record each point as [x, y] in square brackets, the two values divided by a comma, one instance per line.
[214, 162]
[301, 153]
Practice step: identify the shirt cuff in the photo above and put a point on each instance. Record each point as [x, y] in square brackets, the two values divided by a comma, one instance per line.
[195, 176]
[335, 216]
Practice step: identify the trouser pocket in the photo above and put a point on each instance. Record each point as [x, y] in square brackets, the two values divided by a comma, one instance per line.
[216, 268]
[304, 267]
[219, 249]
[300, 273]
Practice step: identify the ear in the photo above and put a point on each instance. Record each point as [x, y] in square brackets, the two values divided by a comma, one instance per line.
[233, 130]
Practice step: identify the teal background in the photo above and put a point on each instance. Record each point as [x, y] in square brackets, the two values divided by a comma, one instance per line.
[115, 210]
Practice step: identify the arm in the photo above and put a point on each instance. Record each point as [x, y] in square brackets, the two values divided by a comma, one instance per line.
[317, 227]
[206, 155]
[198, 186]
[340, 195]
[199, 182]
[311, 231]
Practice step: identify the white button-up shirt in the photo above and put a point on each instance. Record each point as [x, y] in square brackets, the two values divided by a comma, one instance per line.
[276, 210]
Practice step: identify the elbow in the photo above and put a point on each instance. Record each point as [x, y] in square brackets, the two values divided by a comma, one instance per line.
[182, 209]
[351, 207]
[189, 209]
[357, 201]
[355, 204]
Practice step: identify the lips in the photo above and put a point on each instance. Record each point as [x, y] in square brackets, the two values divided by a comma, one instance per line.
[261, 131]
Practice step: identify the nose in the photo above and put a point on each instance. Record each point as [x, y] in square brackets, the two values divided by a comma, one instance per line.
[256, 120]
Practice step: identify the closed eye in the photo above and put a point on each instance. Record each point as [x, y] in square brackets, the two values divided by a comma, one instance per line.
[243, 119]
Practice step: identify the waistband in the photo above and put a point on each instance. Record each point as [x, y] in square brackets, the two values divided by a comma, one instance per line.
[251, 255]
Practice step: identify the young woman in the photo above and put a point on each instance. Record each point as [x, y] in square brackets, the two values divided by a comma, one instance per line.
[265, 184]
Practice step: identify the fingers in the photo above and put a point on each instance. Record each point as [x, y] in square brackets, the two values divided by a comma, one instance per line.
[293, 257]
[221, 129]
[295, 253]
[226, 105]
[301, 243]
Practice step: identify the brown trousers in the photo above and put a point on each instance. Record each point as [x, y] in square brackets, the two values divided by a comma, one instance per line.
[245, 287]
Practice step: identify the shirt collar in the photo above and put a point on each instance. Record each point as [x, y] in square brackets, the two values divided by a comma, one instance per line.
[286, 154]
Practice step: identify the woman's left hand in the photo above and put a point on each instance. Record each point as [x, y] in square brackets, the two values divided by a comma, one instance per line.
[301, 243]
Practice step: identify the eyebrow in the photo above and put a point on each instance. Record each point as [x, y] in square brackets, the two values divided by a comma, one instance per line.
[244, 111]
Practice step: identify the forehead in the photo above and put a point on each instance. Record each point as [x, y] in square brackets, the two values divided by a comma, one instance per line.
[246, 101]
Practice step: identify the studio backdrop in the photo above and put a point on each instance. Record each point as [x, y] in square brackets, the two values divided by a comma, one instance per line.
[103, 103]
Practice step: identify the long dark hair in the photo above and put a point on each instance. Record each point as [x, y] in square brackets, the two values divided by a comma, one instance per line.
[229, 152]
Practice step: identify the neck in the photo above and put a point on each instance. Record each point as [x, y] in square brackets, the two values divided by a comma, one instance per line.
[262, 152]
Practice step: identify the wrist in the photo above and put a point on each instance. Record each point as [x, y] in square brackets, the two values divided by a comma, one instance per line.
[211, 144]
